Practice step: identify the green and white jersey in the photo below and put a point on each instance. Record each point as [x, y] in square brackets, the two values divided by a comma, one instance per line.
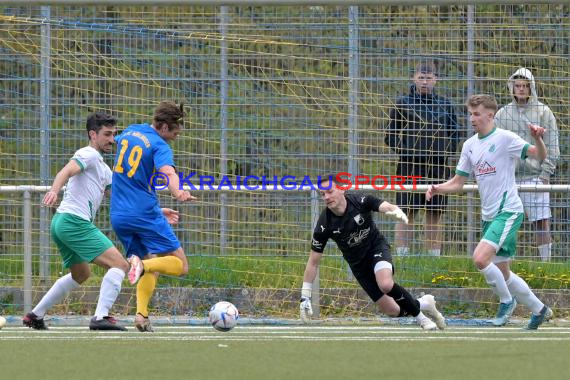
[492, 159]
[85, 191]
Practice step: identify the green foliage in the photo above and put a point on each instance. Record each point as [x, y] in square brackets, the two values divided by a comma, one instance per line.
[243, 271]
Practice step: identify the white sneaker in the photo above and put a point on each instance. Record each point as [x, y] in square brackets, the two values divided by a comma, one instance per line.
[136, 269]
[428, 303]
[426, 324]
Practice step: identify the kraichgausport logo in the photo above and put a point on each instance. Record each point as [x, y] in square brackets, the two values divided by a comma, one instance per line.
[344, 181]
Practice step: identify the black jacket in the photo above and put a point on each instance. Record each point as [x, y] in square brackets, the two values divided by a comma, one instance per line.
[422, 126]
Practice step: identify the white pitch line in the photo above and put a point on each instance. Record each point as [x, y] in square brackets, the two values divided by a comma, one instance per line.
[314, 333]
[150, 337]
[299, 330]
[448, 333]
[240, 330]
[307, 328]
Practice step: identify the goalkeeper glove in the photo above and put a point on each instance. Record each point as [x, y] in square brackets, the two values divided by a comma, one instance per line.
[399, 214]
[305, 307]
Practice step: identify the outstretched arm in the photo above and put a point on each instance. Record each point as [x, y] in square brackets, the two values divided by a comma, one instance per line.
[393, 210]
[312, 267]
[72, 168]
[174, 184]
[451, 186]
[305, 307]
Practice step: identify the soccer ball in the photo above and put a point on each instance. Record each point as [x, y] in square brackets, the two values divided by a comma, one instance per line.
[223, 316]
[2, 322]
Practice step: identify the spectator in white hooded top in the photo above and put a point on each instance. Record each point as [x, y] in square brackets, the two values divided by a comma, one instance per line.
[526, 109]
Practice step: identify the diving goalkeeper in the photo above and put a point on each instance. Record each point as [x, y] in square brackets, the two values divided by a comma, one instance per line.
[347, 220]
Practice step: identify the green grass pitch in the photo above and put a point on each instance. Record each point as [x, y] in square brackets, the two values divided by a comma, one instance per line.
[286, 352]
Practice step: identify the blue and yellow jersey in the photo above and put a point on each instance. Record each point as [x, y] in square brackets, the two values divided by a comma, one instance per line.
[140, 152]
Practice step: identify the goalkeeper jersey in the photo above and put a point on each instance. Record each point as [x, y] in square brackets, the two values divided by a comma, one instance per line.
[354, 232]
[492, 160]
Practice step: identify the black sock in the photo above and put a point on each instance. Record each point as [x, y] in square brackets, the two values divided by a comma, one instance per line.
[408, 304]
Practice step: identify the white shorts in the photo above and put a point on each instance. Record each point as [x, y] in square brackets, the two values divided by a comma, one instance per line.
[536, 205]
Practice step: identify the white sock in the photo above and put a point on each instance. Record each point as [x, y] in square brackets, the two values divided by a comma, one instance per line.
[420, 317]
[495, 278]
[110, 289]
[423, 303]
[402, 251]
[545, 251]
[434, 252]
[55, 294]
[520, 289]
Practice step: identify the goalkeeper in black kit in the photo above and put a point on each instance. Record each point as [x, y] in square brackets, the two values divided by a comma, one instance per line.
[347, 220]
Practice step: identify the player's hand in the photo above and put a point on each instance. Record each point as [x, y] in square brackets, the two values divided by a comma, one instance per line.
[50, 198]
[305, 309]
[184, 196]
[398, 214]
[171, 215]
[432, 189]
[536, 131]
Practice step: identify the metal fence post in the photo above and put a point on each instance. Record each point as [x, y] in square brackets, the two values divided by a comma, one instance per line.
[353, 85]
[27, 290]
[470, 91]
[316, 293]
[223, 125]
[353, 97]
[45, 116]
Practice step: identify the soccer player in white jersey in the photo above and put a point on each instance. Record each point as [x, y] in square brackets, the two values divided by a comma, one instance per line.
[492, 155]
[78, 240]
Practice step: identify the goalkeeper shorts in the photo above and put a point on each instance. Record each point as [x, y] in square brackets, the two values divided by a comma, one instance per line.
[364, 270]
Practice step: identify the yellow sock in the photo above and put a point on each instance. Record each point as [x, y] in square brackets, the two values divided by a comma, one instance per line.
[145, 289]
[170, 265]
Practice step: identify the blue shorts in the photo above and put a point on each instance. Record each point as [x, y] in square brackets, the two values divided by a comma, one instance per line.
[143, 235]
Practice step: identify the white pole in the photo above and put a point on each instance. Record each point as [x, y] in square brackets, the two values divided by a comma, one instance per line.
[27, 228]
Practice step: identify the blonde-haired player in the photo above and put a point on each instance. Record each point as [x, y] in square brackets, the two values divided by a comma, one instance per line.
[491, 156]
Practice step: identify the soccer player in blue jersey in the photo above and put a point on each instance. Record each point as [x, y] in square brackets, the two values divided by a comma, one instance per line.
[136, 216]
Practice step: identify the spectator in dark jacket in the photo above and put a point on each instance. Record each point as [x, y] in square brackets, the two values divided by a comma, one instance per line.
[423, 132]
